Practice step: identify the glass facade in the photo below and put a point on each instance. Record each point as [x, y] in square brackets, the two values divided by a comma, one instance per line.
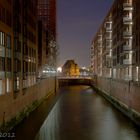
[5, 63]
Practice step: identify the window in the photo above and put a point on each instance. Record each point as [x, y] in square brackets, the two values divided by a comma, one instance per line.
[2, 43]
[8, 41]
[8, 88]
[126, 56]
[2, 51]
[16, 84]
[2, 64]
[8, 64]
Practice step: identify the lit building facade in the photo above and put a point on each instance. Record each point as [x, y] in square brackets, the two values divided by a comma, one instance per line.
[70, 68]
[115, 51]
[18, 45]
[19, 88]
[6, 46]
[25, 43]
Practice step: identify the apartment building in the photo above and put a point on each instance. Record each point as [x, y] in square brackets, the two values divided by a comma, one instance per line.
[20, 92]
[6, 46]
[25, 43]
[115, 48]
[18, 45]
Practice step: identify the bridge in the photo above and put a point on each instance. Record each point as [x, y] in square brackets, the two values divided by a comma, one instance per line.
[65, 81]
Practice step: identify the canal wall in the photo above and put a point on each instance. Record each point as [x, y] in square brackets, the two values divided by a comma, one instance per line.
[125, 95]
[13, 108]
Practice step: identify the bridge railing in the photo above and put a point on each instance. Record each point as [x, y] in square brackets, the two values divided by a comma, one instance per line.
[74, 77]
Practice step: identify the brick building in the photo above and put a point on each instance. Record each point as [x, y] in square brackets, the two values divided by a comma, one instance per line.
[70, 68]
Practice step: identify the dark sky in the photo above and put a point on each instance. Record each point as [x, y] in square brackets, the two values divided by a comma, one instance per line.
[77, 23]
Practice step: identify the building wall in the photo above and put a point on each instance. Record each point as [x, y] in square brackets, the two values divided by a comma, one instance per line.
[123, 91]
[25, 43]
[11, 108]
[6, 46]
[19, 58]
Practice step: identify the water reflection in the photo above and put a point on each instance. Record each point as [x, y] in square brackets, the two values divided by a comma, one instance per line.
[81, 114]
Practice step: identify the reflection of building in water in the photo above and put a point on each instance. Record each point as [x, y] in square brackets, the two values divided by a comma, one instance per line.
[70, 68]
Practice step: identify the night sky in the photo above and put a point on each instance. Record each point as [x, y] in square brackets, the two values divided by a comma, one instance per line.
[77, 23]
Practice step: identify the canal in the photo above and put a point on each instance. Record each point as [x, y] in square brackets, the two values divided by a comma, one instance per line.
[78, 114]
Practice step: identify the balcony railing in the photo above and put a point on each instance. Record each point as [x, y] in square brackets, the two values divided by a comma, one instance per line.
[108, 46]
[127, 62]
[128, 77]
[108, 37]
[127, 33]
[99, 46]
[127, 19]
[127, 5]
[127, 47]
[99, 40]
[108, 56]
[108, 28]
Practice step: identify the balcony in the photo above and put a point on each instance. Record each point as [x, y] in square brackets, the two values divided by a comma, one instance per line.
[100, 46]
[127, 47]
[108, 46]
[128, 77]
[108, 37]
[109, 28]
[127, 19]
[127, 34]
[100, 53]
[127, 62]
[128, 6]
[108, 56]
[99, 40]
[2, 74]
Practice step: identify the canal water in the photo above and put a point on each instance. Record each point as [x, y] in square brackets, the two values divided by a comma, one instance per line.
[78, 114]
[82, 114]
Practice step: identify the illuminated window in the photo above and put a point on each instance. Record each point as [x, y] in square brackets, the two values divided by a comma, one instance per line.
[8, 88]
